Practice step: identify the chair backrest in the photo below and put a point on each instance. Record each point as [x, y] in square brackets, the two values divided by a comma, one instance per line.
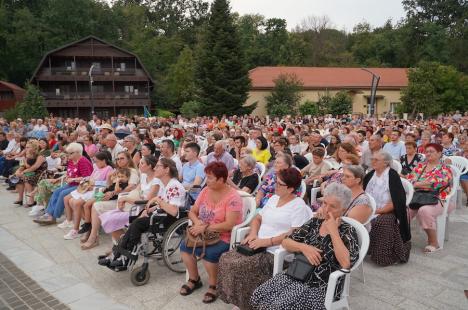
[363, 240]
[396, 165]
[262, 169]
[308, 156]
[236, 163]
[455, 182]
[460, 162]
[409, 190]
[248, 213]
[203, 159]
[303, 188]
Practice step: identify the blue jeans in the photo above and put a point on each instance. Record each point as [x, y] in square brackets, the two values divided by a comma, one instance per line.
[56, 204]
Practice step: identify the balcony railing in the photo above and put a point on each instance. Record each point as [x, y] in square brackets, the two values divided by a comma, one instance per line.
[85, 71]
[95, 95]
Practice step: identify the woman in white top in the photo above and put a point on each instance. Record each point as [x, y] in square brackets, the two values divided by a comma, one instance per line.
[240, 275]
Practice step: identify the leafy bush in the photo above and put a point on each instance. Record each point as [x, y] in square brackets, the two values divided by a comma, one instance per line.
[191, 109]
[286, 95]
[309, 108]
[11, 114]
[165, 113]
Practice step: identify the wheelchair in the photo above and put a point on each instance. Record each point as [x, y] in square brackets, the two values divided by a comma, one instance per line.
[161, 242]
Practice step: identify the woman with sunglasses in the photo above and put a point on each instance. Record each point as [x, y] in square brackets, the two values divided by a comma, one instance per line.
[78, 168]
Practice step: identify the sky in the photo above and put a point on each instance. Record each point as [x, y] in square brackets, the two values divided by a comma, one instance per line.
[344, 14]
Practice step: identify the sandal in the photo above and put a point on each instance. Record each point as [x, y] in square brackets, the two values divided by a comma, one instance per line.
[85, 237]
[85, 246]
[189, 290]
[431, 249]
[210, 297]
[18, 202]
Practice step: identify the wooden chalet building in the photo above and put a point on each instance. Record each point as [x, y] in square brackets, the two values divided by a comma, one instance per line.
[10, 95]
[91, 74]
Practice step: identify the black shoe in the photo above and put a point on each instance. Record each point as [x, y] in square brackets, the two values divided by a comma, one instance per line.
[105, 261]
[11, 188]
[84, 228]
[18, 202]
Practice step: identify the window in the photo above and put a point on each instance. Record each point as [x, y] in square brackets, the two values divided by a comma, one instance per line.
[129, 89]
[393, 106]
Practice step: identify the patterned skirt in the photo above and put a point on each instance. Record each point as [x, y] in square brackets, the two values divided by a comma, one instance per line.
[285, 293]
[386, 246]
[240, 275]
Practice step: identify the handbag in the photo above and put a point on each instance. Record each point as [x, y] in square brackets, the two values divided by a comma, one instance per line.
[300, 268]
[424, 197]
[244, 249]
[203, 240]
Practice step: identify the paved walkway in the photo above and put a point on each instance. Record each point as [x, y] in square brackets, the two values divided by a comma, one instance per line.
[73, 277]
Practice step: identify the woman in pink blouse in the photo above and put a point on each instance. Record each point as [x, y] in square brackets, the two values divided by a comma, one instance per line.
[432, 175]
[78, 167]
[218, 209]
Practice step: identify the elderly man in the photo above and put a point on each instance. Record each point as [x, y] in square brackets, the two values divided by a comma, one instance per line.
[219, 154]
[113, 146]
[375, 145]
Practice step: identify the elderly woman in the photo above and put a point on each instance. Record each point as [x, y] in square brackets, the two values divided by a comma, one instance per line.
[218, 209]
[434, 176]
[328, 244]
[390, 233]
[261, 152]
[267, 189]
[130, 143]
[245, 178]
[99, 207]
[78, 168]
[240, 275]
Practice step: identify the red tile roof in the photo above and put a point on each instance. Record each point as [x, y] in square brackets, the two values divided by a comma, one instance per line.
[331, 77]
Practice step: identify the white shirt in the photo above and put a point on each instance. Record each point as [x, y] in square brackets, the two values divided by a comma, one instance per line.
[12, 145]
[276, 221]
[378, 188]
[178, 163]
[40, 128]
[116, 150]
[173, 193]
[145, 186]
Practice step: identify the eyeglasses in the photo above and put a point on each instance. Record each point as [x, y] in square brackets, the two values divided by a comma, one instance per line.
[281, 183]
[121, 158]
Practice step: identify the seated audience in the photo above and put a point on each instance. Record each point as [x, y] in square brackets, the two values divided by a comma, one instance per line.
[245, 178]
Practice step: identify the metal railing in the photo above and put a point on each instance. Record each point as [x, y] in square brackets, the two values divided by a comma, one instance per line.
[96, 95]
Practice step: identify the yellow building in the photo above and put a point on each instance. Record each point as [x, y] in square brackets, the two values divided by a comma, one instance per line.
[318, 81]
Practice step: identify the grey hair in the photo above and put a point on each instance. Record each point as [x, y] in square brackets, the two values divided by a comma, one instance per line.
[75, 147]
[341, 192]
[387, 158]
[249, 161]
[357, 171]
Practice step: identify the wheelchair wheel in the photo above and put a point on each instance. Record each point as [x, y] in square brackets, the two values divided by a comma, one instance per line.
[171, 245]
[140, 276]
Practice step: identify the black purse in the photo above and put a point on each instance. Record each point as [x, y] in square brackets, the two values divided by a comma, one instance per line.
[424, 197]
[248, 251]
[300, 268]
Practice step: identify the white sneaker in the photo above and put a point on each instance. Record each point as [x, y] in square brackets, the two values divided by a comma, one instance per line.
[36, 210]
[65, 224]
[72, 234]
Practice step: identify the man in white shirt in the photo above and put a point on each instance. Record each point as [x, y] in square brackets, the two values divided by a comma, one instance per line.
[219, 154]
[11, 144]
[113, 146]
[167, 149]
[395, 147]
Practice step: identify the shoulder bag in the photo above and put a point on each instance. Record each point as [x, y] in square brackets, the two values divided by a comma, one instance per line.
[424, 197]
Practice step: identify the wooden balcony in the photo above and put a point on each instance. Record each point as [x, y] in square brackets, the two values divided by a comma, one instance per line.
[95, 96]
[82, 74]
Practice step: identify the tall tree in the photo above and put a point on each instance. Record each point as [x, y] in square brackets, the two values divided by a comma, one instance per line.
[222, 76]
[32, 104]
[286, 95]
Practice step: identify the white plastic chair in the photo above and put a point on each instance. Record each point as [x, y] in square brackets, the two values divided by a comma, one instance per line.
[303, 189]
[442, 220]
[309, 157]
[262, 169]
[363, 239]
[249, 208]
[409, 190]
[313, 194]
[462, 164]
[396, 165]
[203, 159]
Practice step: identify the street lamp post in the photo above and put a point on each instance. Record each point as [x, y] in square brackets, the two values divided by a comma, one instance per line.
[91, 88]
[374, 85]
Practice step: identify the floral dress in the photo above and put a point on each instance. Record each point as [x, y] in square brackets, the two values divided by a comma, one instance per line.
[439, 177]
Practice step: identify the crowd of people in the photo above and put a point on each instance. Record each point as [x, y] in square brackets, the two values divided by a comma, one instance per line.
[91, 172]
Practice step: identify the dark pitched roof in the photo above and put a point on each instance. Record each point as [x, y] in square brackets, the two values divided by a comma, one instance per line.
[12, 86]
[84, 39]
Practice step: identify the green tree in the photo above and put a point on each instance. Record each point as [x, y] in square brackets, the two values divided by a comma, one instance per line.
[32, 105]
[434, 88]
[191, 109]
[309, 108]
[286, 95]
[222, 76]
[341, 103]
[180, 80]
